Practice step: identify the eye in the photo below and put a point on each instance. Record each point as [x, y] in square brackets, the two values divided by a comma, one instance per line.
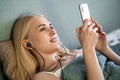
[42, 29]
[51, 26]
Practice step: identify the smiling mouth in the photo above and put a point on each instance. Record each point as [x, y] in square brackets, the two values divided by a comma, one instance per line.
[54, 40]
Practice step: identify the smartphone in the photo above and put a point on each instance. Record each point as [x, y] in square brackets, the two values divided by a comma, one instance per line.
[85, 14]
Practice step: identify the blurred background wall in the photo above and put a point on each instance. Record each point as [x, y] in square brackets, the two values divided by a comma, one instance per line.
[63, 14]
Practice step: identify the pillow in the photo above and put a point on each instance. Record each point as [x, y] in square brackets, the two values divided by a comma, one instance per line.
[7, 57]
[113, 37]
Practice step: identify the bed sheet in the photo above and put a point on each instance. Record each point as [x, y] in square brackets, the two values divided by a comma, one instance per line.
[113, 37]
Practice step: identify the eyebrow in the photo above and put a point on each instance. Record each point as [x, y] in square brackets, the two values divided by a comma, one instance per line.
[41, 25]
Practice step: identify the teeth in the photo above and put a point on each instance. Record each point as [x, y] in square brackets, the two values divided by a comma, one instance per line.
[53, 40]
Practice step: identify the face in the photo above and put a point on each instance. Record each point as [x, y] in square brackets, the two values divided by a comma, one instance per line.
[43, 36]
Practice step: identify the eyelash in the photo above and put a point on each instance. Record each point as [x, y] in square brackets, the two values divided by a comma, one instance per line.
[51, 26]
[42, 29]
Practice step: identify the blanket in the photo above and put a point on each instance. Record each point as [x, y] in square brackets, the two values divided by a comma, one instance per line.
[76, 70]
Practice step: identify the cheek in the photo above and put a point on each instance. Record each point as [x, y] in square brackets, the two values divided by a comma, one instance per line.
[42, 43]
[40, 40]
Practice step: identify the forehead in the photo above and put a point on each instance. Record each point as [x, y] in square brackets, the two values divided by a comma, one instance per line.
[40, 20]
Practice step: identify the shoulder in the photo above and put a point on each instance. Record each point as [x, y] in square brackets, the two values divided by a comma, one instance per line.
[44, 76]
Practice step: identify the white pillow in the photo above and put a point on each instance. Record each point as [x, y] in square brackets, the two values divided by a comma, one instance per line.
[113, 37]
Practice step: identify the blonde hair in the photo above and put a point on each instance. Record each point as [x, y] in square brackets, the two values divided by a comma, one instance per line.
[26, 64]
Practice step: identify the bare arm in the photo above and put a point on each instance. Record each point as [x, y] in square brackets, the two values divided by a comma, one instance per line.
[88, 38]
[111, 55]
[104, 48]
[94, 71]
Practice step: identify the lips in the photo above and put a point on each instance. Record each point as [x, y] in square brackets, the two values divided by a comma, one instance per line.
[53, 40]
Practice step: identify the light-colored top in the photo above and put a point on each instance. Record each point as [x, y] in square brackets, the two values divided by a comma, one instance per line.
[57, 73]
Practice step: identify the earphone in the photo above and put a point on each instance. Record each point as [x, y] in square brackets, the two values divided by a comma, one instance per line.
[56, 57]
[29, 44]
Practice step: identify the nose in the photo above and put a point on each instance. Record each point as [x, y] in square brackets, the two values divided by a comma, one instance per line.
[51, 31]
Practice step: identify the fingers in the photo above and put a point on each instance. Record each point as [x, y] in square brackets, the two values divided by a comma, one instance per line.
[91, 18]
[95, 29]
[91, 26]
[104, 35]
[99, 27]
[100, 30]
[85, 23]
[84, 26]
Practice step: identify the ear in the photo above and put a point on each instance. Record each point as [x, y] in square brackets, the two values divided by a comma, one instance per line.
[24, 44]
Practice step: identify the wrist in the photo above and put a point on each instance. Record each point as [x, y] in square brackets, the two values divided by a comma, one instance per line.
[105, 49]
[88, 50]
[86, 47]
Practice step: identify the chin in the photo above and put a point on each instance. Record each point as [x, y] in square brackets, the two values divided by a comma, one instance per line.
[56, 46]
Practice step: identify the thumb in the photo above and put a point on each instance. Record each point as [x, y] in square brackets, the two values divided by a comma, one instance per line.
[85, 23]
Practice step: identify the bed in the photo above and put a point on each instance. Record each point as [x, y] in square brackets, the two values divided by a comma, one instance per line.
[113, 37]
[111, 71]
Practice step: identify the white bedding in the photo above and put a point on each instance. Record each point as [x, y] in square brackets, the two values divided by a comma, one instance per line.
[113, 37]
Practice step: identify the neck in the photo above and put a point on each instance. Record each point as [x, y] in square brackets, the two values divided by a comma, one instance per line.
[50, 61]
[47, 62]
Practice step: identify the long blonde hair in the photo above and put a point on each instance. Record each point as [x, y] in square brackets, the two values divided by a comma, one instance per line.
[25, 61]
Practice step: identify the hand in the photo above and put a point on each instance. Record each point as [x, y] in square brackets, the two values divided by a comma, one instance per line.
[102, 42]
[87, 35]
[88, 38]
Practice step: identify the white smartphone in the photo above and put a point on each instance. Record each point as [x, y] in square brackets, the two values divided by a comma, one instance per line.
[84, 11]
